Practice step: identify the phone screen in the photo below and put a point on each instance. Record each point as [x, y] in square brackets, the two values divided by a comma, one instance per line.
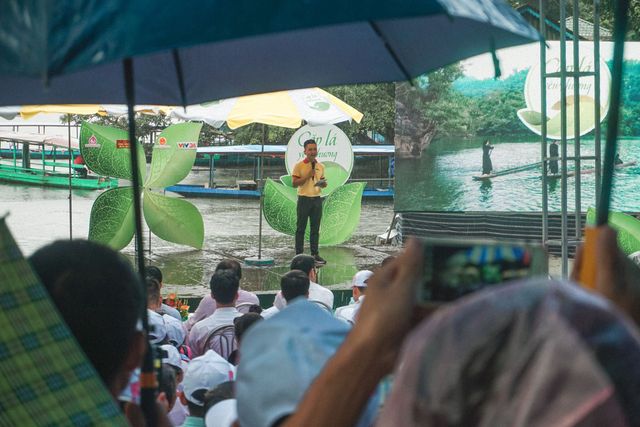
[454, 268]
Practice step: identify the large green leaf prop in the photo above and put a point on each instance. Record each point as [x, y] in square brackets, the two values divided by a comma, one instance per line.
[280, 207]
[628, 229]
[173, 155]
[335, 175]
[173, 219]
[105, 150]
[340, 214]
[340, 211]
[111, 222]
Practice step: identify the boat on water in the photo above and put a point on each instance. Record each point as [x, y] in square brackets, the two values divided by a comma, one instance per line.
[22, 167]
[248, 188]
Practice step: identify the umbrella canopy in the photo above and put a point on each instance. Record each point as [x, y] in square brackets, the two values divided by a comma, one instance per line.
[29, 111]
[285, 109]
[214, 50]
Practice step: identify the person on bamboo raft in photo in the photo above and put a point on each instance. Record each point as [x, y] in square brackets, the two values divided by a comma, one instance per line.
[487, 167]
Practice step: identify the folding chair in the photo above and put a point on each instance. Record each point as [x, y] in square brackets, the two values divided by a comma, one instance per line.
[222, 340]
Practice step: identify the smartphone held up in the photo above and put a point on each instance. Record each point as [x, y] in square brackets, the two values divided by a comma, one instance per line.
[457, 267]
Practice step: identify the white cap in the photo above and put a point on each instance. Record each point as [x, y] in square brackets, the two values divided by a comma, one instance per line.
[206, 372]
[175, 331]
[173, 356]
[222, 414]
[361, 277]
[157, 328]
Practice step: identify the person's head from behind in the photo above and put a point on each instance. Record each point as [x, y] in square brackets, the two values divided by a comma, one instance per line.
[255, 308]
[222, 391]
[306, 264]
[485, 142]
[359, 283]
[294, 284]
[230, 264]
[100, 298]
[171, 357]
[155, 273]
[204, 373]
[243, 323]
[168, 384]
[154, 299]
[224, 287]
[310, 149]
[220, 406]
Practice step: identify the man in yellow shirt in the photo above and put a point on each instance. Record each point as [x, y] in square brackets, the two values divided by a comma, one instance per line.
[308, 178]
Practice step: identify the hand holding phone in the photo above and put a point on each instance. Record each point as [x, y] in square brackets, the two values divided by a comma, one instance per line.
[455, 267]
[321, 183]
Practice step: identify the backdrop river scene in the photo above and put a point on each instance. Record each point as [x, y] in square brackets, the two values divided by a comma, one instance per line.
[442, 178]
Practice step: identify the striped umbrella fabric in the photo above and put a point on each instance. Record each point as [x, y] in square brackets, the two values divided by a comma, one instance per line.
[285, 109]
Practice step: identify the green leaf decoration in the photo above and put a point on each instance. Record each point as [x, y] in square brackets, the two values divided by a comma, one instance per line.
[627, 226]
[287, 180]
[340, 214]
[340, 211]
[174, 153]
[112, 218]
[280, 206]
[335, 175]
[173, 219]
[105, 150]
[534, 121]
[534, 118]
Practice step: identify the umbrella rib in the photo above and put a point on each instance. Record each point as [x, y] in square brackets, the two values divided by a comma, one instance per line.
[179, 73]
[393, 54]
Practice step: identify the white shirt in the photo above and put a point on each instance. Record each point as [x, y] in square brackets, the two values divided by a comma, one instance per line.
[269, 312]
[316, 293]
[208, 305]
[198, 335]
[166, 309]
[175, 331]
[348, 312]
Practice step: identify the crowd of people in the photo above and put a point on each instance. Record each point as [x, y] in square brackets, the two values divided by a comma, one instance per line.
[531, 353]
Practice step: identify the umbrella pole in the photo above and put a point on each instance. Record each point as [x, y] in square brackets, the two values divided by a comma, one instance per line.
[259, 261]
[70, 172]
[620, 30]
[148, 381]
[588, 267]
[260, 173]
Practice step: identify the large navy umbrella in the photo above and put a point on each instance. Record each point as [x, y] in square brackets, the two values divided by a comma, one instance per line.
[67, 51]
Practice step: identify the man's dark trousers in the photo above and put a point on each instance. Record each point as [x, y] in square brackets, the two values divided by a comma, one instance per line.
[308, 207]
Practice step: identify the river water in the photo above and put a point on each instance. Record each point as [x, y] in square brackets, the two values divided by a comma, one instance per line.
[40, 215]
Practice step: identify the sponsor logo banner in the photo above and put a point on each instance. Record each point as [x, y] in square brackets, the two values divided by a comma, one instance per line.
[92, 142]
[122, 143]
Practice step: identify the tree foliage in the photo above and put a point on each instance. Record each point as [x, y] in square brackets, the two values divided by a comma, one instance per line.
[376, 102]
